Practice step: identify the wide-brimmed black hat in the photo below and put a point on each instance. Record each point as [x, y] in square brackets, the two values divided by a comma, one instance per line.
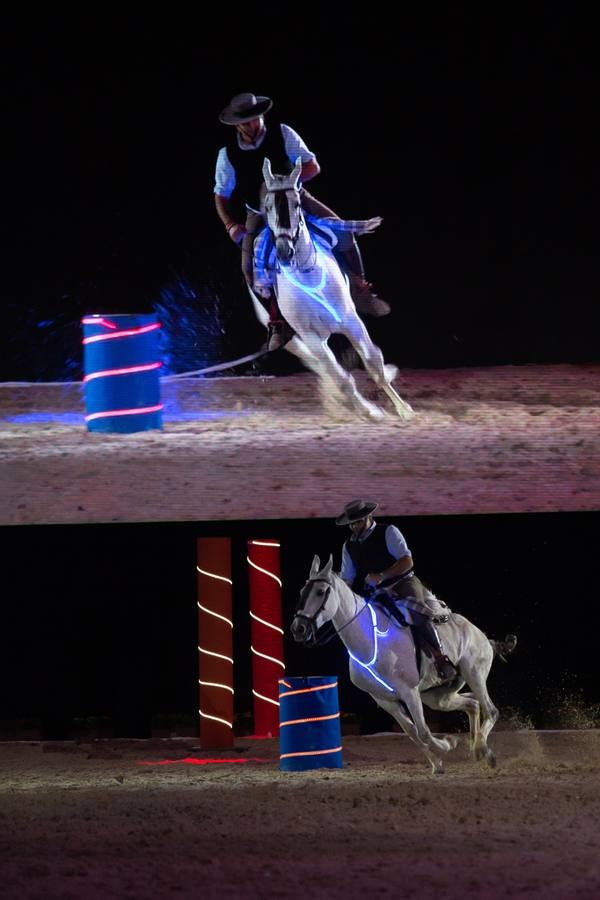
[243, 108]
[357, 509]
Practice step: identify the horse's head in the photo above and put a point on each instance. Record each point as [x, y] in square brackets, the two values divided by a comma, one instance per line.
[317, 604]
[282, 209]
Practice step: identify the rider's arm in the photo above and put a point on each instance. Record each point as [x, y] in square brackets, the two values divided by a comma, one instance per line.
[295, 147]
[398, 548]
[348, 572]
[235, 231]
[224, 187]
[397, 568]
[309, 170]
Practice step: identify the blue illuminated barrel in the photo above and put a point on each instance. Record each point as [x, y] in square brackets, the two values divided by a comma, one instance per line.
[121, 372]
[309, 724]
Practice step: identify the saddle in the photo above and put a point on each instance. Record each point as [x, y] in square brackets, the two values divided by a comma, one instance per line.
[382, 599]
[323, 231]
[422, 647]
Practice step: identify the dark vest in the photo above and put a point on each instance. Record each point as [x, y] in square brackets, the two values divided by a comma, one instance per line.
[370, 555]
[248, 164]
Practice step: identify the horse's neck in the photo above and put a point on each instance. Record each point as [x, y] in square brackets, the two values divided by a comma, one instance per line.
[352, 619]
[305, 258]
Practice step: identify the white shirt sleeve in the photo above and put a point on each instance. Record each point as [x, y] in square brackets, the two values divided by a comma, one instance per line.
[295, 146]
[348, 572]
[224, 175]
[395, 543]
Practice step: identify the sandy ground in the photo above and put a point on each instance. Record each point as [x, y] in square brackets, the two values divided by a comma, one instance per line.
[483, 440]
[90, 820]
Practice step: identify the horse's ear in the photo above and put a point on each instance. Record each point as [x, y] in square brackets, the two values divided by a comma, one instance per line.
[328, 566]
[297, 170]
[316, 565]
[267, 173]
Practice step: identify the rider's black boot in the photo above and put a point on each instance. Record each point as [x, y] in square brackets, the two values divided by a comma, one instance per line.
[365, 299]
[280, 333]
[445, 669]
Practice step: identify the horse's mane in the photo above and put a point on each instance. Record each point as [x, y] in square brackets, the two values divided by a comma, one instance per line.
[346, 585]
[360, 598]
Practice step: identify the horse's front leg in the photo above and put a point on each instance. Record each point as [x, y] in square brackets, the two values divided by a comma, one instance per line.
[372, 358]
[394, 708]
[341, 380]
[439, 746]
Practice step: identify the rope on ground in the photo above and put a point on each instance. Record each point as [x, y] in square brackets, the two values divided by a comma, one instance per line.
[217, 368]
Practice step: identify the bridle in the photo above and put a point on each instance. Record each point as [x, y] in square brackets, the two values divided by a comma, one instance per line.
[310, 621]
[277, 197]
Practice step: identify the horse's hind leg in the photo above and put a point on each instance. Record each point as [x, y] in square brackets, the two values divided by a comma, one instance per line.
[448, 700]
[372, 358]
[475, 674]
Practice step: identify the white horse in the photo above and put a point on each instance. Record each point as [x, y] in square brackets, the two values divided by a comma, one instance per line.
[314, 298]
[383, 663]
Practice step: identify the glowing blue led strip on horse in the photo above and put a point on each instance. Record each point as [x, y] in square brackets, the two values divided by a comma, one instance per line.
[315, 291]
[373, 659]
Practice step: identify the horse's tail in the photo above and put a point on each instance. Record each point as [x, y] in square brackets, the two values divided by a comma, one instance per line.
[504, 648]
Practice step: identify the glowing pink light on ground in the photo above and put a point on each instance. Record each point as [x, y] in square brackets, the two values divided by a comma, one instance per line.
[194, 761]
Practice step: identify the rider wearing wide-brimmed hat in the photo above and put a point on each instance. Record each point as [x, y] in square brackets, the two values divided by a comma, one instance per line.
[238, 181]
[377, 557]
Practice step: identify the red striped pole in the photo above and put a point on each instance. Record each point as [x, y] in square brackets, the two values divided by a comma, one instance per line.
[264, 575]
[215, 642]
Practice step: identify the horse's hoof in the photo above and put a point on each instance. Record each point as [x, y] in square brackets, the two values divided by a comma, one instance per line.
[452, 740]
[374, 412]
[437, 768]
[490, 759]
[390, 372]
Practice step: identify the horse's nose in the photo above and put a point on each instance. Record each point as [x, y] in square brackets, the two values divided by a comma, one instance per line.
[299, 629]
[285, 249]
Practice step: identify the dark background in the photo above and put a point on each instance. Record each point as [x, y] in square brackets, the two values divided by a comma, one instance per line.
[101, 621]
[470, 133]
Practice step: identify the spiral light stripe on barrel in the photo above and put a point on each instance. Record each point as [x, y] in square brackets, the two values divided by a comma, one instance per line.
[266, 643]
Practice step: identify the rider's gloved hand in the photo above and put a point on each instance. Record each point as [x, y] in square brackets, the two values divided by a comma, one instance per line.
[236, 232]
